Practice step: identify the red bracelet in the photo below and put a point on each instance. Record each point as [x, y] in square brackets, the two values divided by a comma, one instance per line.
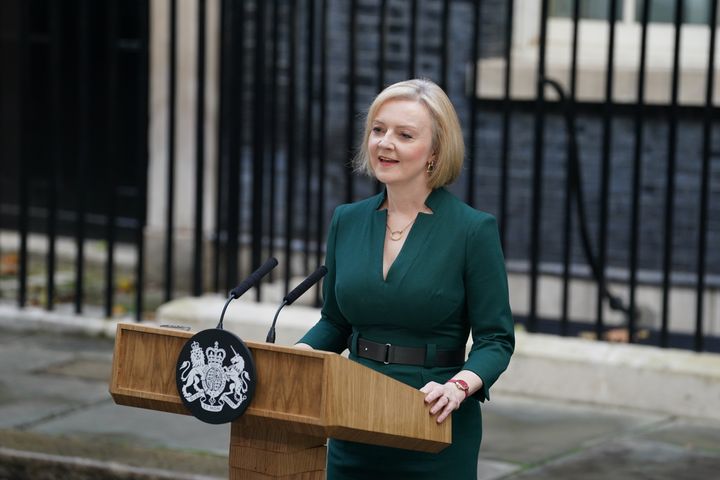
[461, 385]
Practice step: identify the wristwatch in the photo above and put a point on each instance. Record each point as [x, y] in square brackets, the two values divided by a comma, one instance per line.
[461, 385]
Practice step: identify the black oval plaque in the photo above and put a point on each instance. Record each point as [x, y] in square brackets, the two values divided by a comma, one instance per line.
[215, 376]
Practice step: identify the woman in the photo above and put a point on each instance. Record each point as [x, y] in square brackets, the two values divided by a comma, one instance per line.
[416, 268]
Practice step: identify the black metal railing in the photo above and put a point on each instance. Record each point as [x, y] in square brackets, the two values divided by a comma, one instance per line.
[74, 153]
[293, 79]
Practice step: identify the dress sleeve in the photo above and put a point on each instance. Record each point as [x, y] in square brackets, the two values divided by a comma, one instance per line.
[488, 305]
[331, 332]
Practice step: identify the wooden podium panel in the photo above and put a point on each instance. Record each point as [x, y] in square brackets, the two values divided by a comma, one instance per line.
[274, 453]
[143, 370]
[302, 397]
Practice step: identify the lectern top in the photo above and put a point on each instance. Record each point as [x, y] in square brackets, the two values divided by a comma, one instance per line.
[311, 392]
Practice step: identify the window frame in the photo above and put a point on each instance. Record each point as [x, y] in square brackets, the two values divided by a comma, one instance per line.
[592, 58]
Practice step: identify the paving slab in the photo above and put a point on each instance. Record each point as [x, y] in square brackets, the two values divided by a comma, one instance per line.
[88, 367]
[18, 357]
[141, 427]
[493, 470]
[6, 394]
[23, 414]
[58, 388]
[19, 465]
[28, 398]
[690, 433]
[8, 336]
[59, 342]
[629, 459]
[65, 457]
[525, 430]
[45, 375]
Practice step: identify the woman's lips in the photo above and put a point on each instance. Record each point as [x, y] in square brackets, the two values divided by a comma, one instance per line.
[387, 161]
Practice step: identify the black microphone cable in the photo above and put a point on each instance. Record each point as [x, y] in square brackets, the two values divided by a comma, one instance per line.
[574, 171]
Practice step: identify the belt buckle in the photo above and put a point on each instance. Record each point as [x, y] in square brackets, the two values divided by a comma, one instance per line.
[387, 354]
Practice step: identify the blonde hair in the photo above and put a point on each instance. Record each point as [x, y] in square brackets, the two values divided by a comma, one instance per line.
[447, 138]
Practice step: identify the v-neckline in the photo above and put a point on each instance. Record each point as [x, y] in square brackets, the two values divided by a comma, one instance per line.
[416, 229]
[384, 274]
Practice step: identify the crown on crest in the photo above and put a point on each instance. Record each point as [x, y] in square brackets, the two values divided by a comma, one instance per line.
[215, 355]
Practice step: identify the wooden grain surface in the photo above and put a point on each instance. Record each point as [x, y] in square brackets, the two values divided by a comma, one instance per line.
[366, 406]
[254, 432]
[316, 393]
[143, 370]
[278, 464]
[239, 474]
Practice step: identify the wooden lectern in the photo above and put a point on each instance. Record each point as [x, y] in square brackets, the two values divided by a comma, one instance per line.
[302, 397]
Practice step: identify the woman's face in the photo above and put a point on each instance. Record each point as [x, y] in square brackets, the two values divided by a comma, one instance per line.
[400, 143]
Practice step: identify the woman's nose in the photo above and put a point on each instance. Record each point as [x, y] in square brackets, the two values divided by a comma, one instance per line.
[383, 142]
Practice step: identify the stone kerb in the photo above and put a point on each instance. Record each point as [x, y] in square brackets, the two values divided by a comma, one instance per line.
[670, 381]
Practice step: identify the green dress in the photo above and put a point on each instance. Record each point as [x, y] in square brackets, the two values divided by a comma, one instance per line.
[447, 282]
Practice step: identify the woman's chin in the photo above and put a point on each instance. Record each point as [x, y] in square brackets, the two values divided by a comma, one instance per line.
[383, 176]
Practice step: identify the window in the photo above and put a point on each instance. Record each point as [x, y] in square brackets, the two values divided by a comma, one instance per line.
[589, 9]
[593, 41]
[695, 12]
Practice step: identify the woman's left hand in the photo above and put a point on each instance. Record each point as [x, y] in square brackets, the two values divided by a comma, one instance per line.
[443, 399]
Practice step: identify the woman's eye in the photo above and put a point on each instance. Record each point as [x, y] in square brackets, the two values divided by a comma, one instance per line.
[377, 129]
[406, 135]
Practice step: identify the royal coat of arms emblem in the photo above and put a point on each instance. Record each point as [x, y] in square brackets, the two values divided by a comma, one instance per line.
[215, 389]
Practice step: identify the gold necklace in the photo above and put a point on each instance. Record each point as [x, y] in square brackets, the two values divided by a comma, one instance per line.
[396, 235]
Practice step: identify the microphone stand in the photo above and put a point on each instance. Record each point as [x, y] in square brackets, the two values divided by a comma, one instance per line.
[271, 334]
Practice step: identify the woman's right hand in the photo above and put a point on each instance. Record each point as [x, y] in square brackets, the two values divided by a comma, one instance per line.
[303, 346]
[442, 399]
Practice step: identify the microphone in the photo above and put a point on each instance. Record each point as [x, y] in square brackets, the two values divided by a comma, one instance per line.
[305, 285]
[294, 295]
[254, 278]
[247, 284]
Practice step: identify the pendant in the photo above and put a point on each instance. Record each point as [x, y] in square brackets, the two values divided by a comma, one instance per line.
[395, 236]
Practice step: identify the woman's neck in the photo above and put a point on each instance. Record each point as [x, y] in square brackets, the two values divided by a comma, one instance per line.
[406, 201]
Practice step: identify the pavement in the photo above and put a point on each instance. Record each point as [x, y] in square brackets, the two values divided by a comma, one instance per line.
[57, 421]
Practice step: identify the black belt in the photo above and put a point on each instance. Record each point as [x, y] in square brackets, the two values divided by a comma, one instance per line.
[388, 353]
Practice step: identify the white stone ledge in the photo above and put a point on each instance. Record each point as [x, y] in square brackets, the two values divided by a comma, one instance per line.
[669, 381]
